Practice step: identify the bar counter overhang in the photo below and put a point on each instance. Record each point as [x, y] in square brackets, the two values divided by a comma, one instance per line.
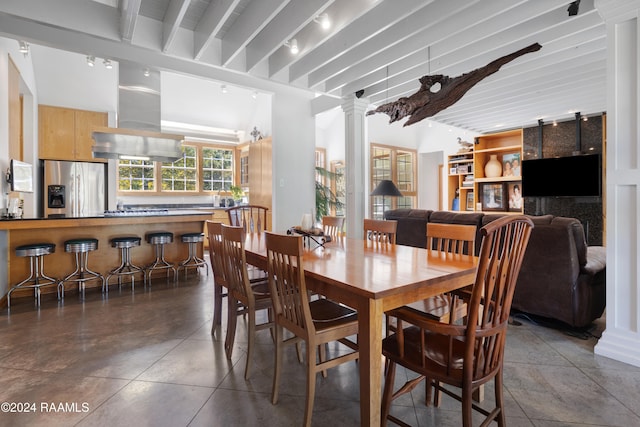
[16, 232]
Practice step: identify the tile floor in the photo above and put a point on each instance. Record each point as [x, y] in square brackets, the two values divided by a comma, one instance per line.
[148, 358]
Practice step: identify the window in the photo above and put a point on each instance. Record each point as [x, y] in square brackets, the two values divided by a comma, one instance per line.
[136, 175]
[399, 166]
[181, 175]
[203, 168]
[339, 188]
[217, 169]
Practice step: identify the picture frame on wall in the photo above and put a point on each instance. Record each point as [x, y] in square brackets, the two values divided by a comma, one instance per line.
[511, 164]
[493, 197]
[514, 192]
[470, 201]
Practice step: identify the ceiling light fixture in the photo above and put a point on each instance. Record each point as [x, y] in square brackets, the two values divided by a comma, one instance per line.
[323, 20]
[107, 64]
[91, 60]
[146, 72]
[223, 89]
[254, 95]
[292, 45]
[24, 47]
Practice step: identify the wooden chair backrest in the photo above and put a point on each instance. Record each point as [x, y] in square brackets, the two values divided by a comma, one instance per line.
[214, 233]
[235, 264]
[455, 239]
[333, 226]
[381, 231]
[287, 284]
[252, 218]
[504, 242]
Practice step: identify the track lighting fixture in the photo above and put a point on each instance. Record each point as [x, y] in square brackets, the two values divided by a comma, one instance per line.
[107, 64]
[254, 95]
[24, 47]
[573, 8]
[323, 20]
[292, 45]
[91, 60]
[146, 72]
[223, 89]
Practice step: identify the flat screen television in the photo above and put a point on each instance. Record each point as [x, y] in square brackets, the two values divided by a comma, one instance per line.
[574, 176]
[21, 176]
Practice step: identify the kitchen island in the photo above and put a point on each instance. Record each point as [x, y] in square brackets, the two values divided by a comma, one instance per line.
[16, 232]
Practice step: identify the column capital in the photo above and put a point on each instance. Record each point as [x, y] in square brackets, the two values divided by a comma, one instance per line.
[617, 10]
[353, 104]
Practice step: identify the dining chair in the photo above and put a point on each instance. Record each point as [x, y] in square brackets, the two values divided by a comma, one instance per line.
[333, 226]
[214, 234]
[381, 231]
[252, 218]
[316, 322]
[469, 355]
[253, 297]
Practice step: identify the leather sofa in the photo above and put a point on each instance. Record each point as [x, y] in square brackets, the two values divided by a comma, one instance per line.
[561, 277]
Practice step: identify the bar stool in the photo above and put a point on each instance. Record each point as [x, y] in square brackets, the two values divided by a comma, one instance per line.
[159, 239]
[126, 268]
[37, 278]
[82, 274]
[192, 239]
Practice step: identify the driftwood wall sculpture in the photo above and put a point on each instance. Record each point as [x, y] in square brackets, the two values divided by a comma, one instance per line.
[425, 103]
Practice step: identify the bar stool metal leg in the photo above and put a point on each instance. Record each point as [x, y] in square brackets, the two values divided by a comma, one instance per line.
[193, 261]
[37, 278]
[82, 273]
[159, 239]
[126, 267]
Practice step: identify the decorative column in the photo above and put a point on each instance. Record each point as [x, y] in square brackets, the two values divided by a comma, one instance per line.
[621, 339]
[355, 163]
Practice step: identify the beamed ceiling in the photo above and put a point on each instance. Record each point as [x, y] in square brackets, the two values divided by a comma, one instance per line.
[382, 47]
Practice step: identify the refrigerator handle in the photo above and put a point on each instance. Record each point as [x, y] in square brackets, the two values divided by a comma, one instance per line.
[79, 195]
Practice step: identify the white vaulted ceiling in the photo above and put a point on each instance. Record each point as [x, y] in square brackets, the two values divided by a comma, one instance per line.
[382, 47]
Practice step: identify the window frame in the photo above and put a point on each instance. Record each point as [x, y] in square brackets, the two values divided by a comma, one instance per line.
[157, 174]
[394, 174]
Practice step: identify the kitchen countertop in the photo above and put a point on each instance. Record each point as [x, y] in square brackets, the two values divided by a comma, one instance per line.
[176, 215]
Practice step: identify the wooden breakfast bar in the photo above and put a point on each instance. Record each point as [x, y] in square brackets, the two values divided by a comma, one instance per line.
[16, 232]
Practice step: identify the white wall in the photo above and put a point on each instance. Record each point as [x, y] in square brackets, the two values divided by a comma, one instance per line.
[9, 49]
[293, 157]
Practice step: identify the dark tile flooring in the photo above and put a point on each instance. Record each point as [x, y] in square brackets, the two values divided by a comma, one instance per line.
[148, 358]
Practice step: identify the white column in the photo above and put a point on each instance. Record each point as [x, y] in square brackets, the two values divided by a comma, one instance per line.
[621, 339]
[355, 163]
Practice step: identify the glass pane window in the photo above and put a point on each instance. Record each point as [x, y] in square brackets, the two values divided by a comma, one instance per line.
[181, 175]
[217, 169]
[399, 166]
[136, 175]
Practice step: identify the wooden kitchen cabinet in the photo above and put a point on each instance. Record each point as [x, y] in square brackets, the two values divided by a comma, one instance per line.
[65, 133]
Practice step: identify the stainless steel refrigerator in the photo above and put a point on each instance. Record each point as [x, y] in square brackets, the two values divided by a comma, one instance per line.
[74, 189]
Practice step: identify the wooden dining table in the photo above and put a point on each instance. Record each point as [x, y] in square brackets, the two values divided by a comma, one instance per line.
[372, 278]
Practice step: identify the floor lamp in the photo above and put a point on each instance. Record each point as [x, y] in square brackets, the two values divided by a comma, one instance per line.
[385, 188]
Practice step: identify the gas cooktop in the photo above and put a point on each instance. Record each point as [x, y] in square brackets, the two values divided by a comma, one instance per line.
[137, 212]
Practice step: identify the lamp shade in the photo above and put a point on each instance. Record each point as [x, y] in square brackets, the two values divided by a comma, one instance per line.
[386, 188]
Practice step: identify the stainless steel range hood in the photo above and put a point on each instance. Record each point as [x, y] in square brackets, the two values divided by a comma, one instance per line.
[138, 135]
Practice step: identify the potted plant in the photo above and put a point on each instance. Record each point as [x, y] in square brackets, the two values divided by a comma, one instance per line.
[236, 193]
[325, 198]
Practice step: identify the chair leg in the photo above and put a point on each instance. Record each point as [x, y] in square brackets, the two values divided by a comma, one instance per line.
[250, 339]
[311, 383]
[278, 364]
[232, 318]
[217, 307]
[467, 406]
[323, 356]
[387, 393]
[498, 382]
